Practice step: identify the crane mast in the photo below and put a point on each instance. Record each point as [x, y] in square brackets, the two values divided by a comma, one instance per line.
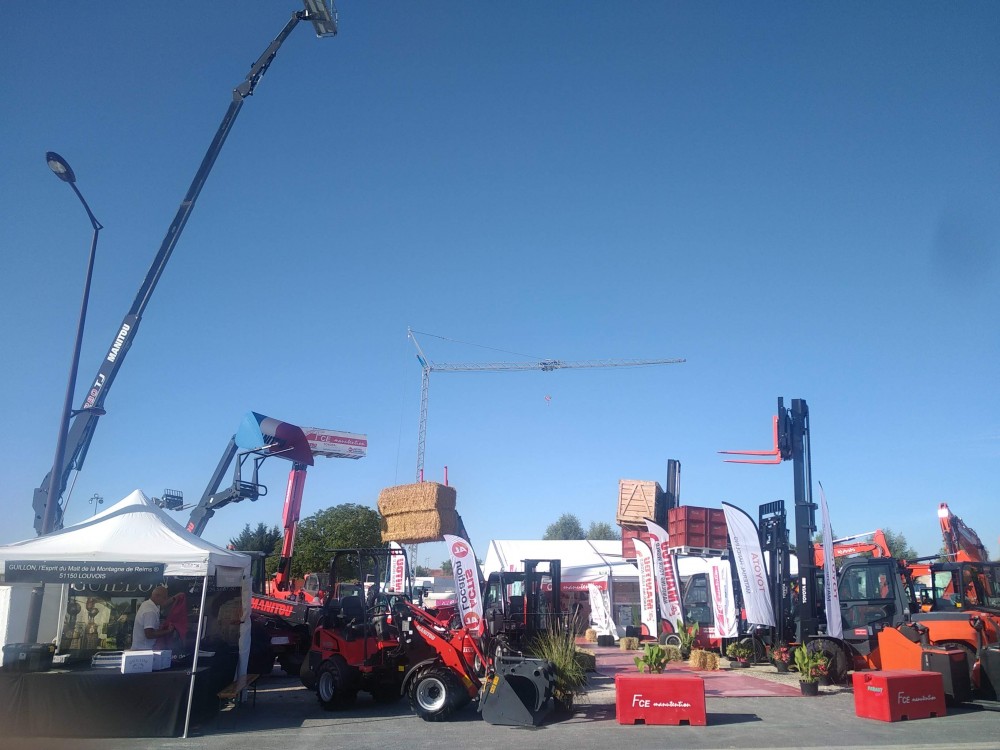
[544, 365]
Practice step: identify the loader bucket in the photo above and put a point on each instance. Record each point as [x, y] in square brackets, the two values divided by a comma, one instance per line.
[518, 693]
[989, 671]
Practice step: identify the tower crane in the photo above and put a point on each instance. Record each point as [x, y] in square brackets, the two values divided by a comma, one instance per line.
[545, 365]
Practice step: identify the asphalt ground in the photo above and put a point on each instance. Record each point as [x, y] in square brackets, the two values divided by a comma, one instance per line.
[286, 715]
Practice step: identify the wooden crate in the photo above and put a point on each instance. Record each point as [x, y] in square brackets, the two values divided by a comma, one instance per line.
[639, 500]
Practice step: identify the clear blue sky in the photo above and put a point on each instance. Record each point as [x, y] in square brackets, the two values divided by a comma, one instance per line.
[799, 199]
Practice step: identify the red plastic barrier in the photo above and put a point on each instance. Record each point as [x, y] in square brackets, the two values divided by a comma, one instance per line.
[660, 699]
[898, 695]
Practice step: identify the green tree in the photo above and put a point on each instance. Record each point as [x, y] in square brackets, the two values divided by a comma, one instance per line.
[567, 527]
[602, 530]
[421, 571]
[261, 539]
[446, 567]
[898, 545]
[341, 527]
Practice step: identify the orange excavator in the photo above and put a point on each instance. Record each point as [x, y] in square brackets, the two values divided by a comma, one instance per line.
[958, 608]
[847, 546]
[961, 543]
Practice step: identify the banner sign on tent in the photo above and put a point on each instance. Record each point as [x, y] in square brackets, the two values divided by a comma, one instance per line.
[666, 576]
[83, 571]
[466, 572]
[723, 601]
[647, 587]
[749, 565]
[834, 625]
[600, 610]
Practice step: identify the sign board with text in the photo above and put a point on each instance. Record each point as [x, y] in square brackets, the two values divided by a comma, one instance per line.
[83, 571]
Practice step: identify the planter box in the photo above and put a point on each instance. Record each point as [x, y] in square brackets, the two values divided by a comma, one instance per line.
[672, 698]
[898, 695]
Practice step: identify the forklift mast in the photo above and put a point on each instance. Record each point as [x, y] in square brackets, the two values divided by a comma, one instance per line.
[793, 442]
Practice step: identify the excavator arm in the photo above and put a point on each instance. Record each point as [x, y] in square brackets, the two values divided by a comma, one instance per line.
[960, 542]
[846, 546]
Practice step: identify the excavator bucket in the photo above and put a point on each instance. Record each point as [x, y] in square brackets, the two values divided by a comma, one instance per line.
[518, 693]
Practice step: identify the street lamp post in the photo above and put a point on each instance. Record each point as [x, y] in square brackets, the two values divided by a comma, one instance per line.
[64, 172]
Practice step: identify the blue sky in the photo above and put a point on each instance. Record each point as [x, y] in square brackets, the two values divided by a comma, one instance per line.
[798, 199]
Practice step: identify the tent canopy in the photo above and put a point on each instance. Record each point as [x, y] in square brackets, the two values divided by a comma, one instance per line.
[582, 561]
[136, 530]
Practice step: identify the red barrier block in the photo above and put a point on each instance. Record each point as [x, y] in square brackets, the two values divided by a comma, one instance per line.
[898, 695]
[660, 699]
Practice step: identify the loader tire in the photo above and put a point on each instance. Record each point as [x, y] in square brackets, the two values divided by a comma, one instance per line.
[333, 687]
[435, 694]
[838, 660]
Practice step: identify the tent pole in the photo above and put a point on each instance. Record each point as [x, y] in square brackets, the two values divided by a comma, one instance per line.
[197, 648]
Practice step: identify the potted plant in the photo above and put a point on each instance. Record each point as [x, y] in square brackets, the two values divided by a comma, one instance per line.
[780, 655]
[688, 635]
[812, 664]
[739, 653]
[654, 658]
[559, 647]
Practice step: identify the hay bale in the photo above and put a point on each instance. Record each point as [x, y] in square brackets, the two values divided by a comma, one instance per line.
[419, 526]
[711, 661]
[586, 660]
[590, 635]
[628, 643]
[698, 659]
[411, 498]
[673, 652]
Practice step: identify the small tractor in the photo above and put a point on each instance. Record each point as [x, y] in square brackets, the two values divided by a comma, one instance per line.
[387, 646]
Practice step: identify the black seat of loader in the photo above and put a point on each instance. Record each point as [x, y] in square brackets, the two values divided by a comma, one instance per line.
[352, 609]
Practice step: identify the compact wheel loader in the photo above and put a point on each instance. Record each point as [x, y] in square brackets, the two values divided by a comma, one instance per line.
[386, 645]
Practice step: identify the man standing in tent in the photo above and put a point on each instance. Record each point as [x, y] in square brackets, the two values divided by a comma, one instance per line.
[147, 628]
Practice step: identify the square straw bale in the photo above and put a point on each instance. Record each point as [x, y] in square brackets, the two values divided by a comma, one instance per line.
[410, 498]
[419, 526]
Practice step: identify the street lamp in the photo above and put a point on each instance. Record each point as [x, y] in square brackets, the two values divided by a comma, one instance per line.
[64, 172]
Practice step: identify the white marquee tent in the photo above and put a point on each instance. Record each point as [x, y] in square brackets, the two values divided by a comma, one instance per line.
[582, 561]
[136, 530]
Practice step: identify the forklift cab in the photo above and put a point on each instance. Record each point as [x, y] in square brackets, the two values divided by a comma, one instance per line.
[873, 594]
[519, 604]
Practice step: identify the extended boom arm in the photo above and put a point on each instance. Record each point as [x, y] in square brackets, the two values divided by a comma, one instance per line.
[81, 431]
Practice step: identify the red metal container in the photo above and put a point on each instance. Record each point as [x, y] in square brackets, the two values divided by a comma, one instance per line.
[629, 535]
[692, 527]
[898, 695]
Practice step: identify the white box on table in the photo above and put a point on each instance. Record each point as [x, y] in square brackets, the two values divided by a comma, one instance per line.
[137, 661]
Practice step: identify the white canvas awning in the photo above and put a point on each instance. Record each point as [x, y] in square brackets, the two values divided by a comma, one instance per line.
[134, 530]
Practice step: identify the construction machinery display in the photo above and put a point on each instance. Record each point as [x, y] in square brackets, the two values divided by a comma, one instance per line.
[894, 613]
[280, 614]
[386, 645]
